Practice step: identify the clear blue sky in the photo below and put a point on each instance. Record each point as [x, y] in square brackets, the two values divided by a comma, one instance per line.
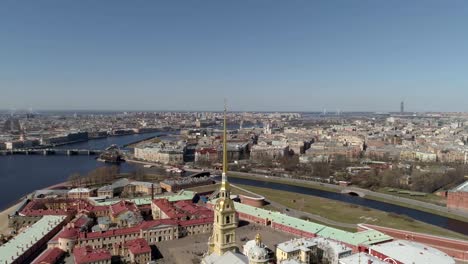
[260, 54]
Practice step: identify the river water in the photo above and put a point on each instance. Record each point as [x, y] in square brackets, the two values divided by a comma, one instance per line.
[449, 223]
[21, 174]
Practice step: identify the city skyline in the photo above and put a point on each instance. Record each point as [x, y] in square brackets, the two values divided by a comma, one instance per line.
[302, 56]
[247, 132]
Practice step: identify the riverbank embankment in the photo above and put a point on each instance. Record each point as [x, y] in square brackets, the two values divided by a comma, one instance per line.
[370, 195]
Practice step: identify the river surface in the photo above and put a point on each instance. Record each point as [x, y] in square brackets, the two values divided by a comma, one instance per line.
[102, 143]
[22, 174]
[448, 223]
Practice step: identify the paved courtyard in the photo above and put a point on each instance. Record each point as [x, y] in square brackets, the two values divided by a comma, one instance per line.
[191, 249]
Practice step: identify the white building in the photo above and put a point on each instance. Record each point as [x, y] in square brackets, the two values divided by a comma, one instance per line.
[403, 251]
[298, 250]
[311, 250]
[78, 193]
[361, 258]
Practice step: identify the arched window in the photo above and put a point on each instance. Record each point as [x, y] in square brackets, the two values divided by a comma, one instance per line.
[228, 219]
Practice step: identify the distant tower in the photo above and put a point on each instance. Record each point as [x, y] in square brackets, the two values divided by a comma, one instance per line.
[223, 238]
[267, 128]
[402, 107]
[22, 135]
[22, 132]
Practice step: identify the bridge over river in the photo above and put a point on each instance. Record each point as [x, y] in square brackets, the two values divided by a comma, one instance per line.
[51, 151]
[352, 196]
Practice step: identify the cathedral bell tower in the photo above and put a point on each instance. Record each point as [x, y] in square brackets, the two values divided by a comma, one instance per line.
[225, 222]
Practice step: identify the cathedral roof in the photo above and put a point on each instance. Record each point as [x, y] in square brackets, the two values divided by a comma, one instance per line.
[228, 257]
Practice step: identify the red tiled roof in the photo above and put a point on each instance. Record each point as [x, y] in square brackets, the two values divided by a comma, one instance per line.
[138, 246]
[81, 221]
[127, 231]
[109, 233]
[37, 207]
[193, 210]
[46, 212]
[88, 254]
[121, 207]
[186, 206]
[97, 208]
[50, 256]
[154, 223]
[143, 226]
[207, 150]
[178, 213]
[199, 221]
[68, 233]
[182, 209]
[165, 206]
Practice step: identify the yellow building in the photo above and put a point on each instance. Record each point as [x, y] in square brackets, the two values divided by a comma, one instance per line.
[296, 249]
[222, 246]
[225, 222]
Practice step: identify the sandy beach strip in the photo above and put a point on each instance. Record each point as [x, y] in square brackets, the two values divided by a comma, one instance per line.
[5, 213]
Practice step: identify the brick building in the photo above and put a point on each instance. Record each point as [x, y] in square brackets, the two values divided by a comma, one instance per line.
[50, 256]
[89, 255]
[134, 251]
[457, 197]
[206, 155]
[181, 210]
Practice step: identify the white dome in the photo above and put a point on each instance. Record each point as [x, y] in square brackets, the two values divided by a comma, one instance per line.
[257, 253]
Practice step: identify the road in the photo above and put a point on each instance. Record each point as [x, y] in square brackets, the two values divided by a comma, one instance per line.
[388, 197]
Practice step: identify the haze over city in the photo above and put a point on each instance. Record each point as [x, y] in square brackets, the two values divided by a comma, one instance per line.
[262, 55]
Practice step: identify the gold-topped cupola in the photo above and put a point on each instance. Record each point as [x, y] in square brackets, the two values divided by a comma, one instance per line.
[223, 238]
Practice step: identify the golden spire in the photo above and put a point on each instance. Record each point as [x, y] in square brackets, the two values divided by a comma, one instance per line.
[225, 142]
[224, 182]
[258, 239]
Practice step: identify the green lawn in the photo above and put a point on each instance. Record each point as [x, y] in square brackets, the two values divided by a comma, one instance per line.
[213, 187]
[315, 185]
[428, 198]
[348, 213]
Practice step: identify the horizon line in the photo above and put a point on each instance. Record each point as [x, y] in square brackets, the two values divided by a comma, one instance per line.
[237, 111]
